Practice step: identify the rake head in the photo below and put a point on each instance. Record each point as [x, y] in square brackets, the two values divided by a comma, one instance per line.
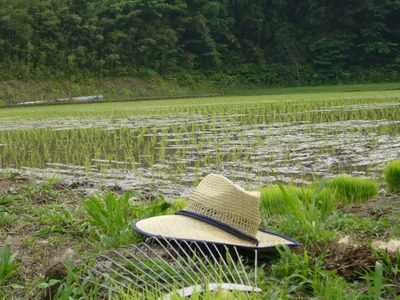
[162, 268]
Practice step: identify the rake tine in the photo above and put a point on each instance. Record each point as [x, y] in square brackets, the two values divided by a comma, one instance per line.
[99, 284]
[231, 260]
[188, 258]
[139, 268]
[233, 263]
[256, 268]
[183, 279]
[199, 259]
[121, 275]
[180, 265]
[215, 260]
[96, 283]
[242, 266]
[160, 268]
[210, 264]
[104, 276]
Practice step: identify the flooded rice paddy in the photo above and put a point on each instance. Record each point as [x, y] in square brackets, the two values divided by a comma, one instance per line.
[167, 147]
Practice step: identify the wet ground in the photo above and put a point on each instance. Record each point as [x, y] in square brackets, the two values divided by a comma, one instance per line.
[298, 151]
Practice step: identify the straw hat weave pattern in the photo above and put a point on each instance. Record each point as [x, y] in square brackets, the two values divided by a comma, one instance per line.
[235, 206]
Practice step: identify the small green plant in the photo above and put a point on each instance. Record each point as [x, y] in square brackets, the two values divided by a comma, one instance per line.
[7, 199]
[390, 269]
[392, 176]
[110, 216]
[6, 219]
[375, 283]
[6, 259]
[64, 221]
[353, 189]
[113, 216]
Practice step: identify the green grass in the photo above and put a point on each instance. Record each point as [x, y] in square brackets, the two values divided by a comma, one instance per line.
[15, 91]
[316, 89]
[7, 266]
[392, 176]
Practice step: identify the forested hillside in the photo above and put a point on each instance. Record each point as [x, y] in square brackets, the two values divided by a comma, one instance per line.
[277, 42]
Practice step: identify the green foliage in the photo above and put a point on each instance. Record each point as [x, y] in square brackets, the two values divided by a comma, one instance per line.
[6, 259]
[272, 201]
[112, 216]
[42, 192]
[387, 269]
[392, 176]
[301, 42]
[352, 189]
[60, 219]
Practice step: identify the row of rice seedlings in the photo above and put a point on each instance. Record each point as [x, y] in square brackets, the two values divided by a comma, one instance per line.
[271, 103]
[120, 149]
[143, 145]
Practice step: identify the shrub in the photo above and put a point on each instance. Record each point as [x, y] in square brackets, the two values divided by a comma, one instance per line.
[392, 176]
[352, 189]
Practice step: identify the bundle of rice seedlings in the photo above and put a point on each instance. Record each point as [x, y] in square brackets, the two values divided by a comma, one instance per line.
[273, 201]
[392, 176]
[353, 189]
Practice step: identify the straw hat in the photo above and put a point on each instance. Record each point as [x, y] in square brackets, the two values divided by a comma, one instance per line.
[218, 212]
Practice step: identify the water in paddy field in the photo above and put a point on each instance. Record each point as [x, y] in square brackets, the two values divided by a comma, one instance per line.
[169, 153]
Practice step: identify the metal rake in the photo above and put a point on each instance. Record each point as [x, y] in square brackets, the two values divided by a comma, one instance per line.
[162, 268]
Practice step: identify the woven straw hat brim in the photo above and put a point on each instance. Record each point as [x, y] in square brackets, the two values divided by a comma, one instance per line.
[189, 229]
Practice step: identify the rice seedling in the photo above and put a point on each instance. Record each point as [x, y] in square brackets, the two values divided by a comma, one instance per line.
[308, 220]
[392, 176]
[353, 189]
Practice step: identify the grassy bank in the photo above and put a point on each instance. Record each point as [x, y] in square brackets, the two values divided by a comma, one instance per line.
[16, 91]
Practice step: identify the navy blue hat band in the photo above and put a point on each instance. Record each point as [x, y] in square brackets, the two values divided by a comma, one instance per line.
[218, 224]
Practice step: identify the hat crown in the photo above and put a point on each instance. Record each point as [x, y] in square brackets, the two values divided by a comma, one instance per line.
[218, 198]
